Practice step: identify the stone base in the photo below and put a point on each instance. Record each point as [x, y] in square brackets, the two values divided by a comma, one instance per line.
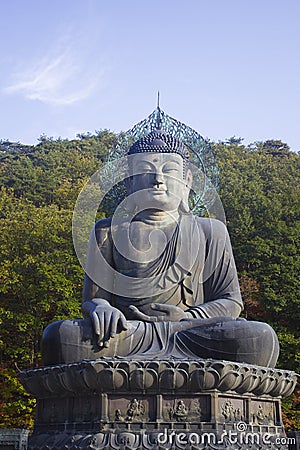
[137, 421]
[120, 404]
[13, 438]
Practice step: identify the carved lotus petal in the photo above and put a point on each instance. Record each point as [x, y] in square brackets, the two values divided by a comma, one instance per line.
[230, 380]
[34, 385]
[256, 382]
[222, 367]
[124, 440]
[120, 379]
[80, 381]
[289, 387]
[52, 382]
[249, 382]
[265, 386]
[143, 379]
[151, 440]
[100, 440]
[155, 365]
[97, 366]
[90, 377]
[280, 386]
[112, 379]
[72, 380]
[204, 379]
[165, 365]
[271, 386]
[85, 441]
[197, 365]
[125, 365]
[173, 379]
[183, 366]
[66, 381]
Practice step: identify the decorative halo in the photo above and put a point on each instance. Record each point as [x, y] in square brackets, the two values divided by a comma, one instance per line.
[201, 156]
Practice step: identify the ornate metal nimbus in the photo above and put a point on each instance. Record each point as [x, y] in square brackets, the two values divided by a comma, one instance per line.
[202, 159]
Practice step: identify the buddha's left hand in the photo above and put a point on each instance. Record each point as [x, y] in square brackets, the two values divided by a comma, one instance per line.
[170, 313]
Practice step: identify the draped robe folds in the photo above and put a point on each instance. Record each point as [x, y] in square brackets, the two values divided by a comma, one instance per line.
[195, 271]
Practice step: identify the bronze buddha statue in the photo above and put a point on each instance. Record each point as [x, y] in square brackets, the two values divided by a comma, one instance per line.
[163, 282]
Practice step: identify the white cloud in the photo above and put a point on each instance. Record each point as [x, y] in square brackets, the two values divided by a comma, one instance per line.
[62, 78]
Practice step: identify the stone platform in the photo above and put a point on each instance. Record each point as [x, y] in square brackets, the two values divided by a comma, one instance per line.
[191, 404]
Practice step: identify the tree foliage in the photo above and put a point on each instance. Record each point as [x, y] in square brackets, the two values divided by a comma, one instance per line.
[260, 194]
[41, 279]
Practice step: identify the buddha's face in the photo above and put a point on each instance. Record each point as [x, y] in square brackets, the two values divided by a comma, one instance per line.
[159, 182]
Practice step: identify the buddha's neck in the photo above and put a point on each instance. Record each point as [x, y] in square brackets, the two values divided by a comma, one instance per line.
[157, 217]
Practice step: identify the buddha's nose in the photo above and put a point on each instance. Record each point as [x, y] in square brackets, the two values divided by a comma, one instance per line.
[158, 179]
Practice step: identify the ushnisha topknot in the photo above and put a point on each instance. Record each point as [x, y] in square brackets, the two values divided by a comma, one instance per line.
[159, 142]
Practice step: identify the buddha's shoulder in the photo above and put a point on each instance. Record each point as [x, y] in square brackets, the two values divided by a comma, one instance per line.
[101, 230]
[105, 226]
[210, 227]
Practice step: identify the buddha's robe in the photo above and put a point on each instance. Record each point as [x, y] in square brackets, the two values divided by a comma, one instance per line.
[195, 271]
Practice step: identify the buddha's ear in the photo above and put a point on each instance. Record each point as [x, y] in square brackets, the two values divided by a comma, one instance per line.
[129, 201]
[184, 205]
[189, 178]
[129, 184]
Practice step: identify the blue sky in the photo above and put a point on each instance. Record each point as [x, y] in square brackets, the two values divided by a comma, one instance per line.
[224, 67]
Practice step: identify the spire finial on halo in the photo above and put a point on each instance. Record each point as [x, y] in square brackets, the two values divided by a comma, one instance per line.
[158, 114]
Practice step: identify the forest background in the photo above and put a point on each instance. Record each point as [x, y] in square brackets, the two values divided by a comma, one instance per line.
[41, 278]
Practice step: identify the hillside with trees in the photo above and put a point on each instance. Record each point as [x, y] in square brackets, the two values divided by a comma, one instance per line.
[41, 278]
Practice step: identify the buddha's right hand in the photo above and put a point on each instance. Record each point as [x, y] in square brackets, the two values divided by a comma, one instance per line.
[106, 319]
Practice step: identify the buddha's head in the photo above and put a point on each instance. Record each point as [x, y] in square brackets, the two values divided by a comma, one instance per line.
[160, 177]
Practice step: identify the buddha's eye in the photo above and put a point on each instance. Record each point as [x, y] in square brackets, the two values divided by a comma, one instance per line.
[144, 169]
[171, 168]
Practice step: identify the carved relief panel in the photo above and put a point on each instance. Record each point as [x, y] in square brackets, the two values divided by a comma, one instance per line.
[127, 409]
[186, 409]
[262, 413]
[231, 410]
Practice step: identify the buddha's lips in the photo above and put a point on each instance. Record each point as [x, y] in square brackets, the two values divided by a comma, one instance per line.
[157, 191]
